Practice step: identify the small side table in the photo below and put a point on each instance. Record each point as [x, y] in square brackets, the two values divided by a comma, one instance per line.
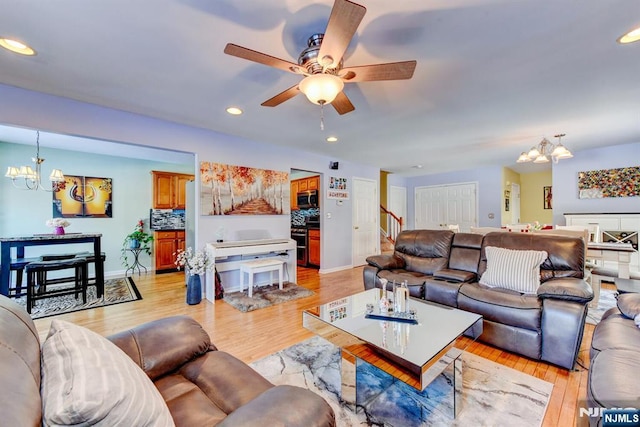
[136, 262]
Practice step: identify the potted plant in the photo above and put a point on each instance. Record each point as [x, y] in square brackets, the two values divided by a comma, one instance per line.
[196, 263]
[138, 239]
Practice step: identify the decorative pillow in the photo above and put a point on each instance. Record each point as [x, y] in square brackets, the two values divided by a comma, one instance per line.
[629, 305]
[88, 380]
[513, 269]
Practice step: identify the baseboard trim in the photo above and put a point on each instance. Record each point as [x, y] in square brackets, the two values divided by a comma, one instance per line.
[333, 270]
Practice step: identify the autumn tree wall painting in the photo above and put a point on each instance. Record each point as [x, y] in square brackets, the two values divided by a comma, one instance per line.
[240, 190]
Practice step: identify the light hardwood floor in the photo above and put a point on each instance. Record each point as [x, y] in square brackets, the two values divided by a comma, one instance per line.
[254, 335]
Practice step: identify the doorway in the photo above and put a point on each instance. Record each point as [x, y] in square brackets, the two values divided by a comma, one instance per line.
[365, 220]
[305, 216]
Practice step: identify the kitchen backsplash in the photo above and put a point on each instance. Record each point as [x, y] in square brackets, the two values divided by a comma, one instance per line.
[167, 219]
[299, 217]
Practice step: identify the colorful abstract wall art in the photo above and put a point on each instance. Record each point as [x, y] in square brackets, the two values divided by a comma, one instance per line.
[622, 182]
[241, 190]
[83, 196]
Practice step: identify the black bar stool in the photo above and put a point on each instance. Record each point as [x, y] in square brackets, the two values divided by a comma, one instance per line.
[35, 270]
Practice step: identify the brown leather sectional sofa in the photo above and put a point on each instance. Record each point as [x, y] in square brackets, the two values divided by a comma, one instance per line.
[615, 357]
[445, 267]
[201, 385]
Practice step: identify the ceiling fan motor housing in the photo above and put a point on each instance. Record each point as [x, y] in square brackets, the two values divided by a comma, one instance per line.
[309, 57]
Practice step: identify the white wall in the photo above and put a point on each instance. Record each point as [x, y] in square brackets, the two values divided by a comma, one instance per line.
[39, 111]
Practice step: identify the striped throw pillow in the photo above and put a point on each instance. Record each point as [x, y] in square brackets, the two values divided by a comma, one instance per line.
[88, 380]
[513, 269]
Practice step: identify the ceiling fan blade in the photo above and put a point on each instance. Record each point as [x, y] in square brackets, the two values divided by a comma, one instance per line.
[389, 71]
[281, 97]
[342, 104]
[261, 58]
[343, 23]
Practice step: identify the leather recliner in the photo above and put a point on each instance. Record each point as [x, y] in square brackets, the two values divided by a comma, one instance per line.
[201, 385]
[546, 326]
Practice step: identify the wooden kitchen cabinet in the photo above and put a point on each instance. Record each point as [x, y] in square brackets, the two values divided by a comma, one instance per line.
[303, 184]
[294, 194]
[166, 243]
[169, 189]
[314, 247]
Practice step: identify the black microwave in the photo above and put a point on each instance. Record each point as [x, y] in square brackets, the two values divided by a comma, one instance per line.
[308, 199]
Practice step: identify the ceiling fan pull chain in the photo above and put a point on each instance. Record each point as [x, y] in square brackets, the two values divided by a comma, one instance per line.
[322, 116]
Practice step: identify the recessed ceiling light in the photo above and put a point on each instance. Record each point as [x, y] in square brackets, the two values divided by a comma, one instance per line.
[332, 139]
[417, 166]
[630, 37]
[234, 111]
[16, 46]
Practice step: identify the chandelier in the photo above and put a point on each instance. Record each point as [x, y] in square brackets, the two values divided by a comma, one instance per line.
[31, 177]
[545, 150]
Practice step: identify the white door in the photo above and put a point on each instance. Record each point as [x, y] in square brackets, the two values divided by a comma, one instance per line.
[438, 207]
[515, 203]
[366, 240]
[398, 204]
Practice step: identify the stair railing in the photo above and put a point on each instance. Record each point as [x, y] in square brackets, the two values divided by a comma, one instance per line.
[394, 224]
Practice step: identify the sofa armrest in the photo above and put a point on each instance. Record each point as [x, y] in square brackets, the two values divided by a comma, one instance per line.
[164, 345]
[283, 405]
[566, 288]
[386, 262]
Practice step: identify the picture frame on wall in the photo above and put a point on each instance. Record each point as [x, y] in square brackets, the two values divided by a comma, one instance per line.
[547, 199]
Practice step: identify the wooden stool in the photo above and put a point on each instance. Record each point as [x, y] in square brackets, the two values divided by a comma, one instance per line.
[36, 269]
[260, 266]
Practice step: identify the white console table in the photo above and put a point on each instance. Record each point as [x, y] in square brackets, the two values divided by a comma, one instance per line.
[614, 228]
[228, 256]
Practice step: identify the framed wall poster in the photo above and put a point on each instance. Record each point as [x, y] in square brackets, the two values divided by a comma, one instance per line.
[83, 196]
[547, 197]
[338, 188]
[622, 182]
[506, 205]
[240, 190]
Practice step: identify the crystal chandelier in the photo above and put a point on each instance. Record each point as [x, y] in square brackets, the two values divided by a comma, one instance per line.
[32, 178]
[545, 150]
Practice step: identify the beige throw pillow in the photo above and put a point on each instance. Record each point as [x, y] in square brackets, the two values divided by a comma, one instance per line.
[88, 380]
[513, 269]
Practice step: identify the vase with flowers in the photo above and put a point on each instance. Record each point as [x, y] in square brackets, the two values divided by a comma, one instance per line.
[58, 224]
[195, 263]
[138, 239]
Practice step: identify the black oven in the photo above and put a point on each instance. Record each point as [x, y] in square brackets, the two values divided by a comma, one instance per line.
[307, 199]
[300, 236]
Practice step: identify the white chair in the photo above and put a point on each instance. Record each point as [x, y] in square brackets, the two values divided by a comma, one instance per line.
[454, 227]
[485, 230]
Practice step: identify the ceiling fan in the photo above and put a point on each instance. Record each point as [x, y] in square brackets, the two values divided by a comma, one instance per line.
[322, 65]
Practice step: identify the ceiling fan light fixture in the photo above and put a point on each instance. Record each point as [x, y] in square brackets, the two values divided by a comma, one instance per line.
[332, 139]
[321, 88]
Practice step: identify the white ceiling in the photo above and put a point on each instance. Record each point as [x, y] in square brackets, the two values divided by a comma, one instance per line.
[493, 78]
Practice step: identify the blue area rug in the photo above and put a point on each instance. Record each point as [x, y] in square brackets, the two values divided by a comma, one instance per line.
[492, 395]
